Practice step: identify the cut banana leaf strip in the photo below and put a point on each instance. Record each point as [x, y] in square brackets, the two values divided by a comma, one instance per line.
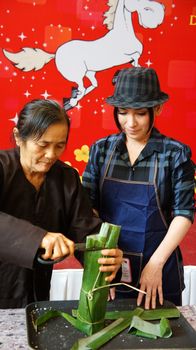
[142, 334]
[98, 339]
[114, 315]
[147, 329]
[157, 314]
[147, 315]
[165, 329]
[51, 314]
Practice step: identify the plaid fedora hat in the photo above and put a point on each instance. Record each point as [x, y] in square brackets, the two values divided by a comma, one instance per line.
[137, 87]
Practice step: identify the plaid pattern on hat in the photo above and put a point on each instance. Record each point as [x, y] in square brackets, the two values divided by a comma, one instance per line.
[137, 87]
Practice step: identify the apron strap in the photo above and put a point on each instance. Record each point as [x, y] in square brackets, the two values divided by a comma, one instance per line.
[157, 195]
[107, 164]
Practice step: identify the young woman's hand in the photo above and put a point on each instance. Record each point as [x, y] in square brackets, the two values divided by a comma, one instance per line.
[151, 283]
[110, 262]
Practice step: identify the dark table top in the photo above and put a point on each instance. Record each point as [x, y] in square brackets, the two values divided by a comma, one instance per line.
[13, 331]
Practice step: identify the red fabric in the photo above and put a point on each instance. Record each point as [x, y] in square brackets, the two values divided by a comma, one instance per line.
[169, 48]
[68, 263]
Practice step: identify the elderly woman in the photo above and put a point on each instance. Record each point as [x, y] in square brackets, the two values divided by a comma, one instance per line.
[143, 181]
[42, 205]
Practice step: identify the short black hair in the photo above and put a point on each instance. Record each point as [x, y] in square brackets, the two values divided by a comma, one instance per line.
[37, 115]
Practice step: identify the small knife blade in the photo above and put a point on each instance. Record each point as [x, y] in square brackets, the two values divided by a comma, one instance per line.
[78, 246]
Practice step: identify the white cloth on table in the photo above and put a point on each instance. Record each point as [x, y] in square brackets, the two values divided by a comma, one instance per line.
[66, 284]
[189, 293]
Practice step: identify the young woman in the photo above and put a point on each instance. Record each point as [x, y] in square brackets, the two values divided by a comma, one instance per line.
[143, 181]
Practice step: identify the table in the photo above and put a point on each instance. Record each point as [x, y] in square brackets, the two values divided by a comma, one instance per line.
[13, 334]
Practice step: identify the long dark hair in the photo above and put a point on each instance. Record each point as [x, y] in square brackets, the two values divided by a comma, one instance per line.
[151, 116]
[37, 115]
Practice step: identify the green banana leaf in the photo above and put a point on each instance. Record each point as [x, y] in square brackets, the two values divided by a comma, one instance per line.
[147, 315]
[93, 299]
[147, 329]
[52, 314]
[138, 326]
[123, 321]
[98, 339]
[157, 314]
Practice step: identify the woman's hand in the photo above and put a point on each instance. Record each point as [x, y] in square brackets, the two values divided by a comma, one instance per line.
[151, 283]
[110, 262]
[151, 278]
[56, 245]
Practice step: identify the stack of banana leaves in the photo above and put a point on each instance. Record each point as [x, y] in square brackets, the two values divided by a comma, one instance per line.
[93, 297]
[90, 317]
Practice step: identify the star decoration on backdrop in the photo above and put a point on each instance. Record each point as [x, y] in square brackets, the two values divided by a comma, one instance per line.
[148, 63]
[45, 95]
[22, 36]
[27, 93]
[78, 106]
[15, 119]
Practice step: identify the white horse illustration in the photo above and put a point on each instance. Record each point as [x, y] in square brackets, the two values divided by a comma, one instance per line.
[77, 59]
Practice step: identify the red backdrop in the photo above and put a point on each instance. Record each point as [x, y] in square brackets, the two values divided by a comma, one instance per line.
[47, 24]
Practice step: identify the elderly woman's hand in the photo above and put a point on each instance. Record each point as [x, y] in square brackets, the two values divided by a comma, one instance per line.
[56, 245]
[110, 262]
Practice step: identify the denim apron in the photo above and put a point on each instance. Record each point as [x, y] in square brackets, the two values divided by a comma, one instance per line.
[135, 206]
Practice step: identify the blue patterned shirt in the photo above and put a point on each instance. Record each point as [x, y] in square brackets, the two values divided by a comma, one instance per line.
[175, 172]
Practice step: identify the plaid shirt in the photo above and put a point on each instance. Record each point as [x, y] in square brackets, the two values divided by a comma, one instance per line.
[175, 172]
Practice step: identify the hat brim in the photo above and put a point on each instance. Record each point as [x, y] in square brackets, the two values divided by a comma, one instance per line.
[112, 100]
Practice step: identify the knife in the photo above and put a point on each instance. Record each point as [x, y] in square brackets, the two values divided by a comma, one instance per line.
[78, 246]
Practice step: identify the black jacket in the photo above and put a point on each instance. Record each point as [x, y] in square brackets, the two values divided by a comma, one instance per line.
[60, 205]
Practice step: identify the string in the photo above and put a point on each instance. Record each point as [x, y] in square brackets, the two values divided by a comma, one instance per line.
[90, 292]
[90, 296]
[118, 284]
[85, 321]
